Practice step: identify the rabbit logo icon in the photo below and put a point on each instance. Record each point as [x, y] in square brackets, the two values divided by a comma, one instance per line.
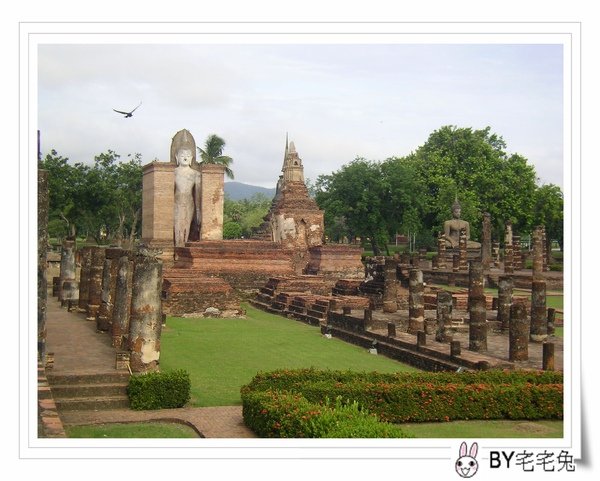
[466, 465]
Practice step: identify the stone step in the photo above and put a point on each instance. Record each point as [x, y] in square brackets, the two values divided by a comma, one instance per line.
[315, 314]
[116, 377]
[88, 390]
[319, 308]
[314, 321]
[278, 306]
[268, 291]
[297, 309]
[92, 403]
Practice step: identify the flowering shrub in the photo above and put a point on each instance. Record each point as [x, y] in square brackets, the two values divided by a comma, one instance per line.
[289, 415]
[282, 402]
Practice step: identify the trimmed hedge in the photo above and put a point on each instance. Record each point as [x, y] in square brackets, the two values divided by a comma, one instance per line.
[159, 390]
[276, 414]
[406, 397]
[286, 379]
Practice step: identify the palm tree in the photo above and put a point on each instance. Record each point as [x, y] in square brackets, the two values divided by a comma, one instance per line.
[213, 154]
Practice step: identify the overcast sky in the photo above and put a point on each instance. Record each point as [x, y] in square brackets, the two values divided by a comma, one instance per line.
[336, 102]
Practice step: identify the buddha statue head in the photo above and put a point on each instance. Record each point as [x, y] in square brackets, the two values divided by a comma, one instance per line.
[184, 157]
[183, 140]
[456, 209]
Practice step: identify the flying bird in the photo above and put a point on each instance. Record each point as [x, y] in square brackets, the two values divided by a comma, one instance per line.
[127, 114]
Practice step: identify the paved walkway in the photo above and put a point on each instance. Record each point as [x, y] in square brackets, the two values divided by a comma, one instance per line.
[79, 349]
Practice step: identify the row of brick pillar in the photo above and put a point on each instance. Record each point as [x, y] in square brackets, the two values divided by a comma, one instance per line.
[512, 316]
[120, 291]
[514, 258]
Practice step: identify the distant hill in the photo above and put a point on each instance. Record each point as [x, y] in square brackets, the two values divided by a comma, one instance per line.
[239, 191]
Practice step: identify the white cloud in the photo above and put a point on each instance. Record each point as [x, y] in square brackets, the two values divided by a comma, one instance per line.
[336, 101]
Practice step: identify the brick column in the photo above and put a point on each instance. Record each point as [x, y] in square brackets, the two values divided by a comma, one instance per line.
[158, 199]
[456, 263]
[441, 246]
[95, 283]
[546, 252]
[548, 356]
[496, 253]
[551, 321]
[42, 265]
[505, 293]
[539, 320]
[416, 308]
[477, 309]
[146, 317]
[462, 249]
[508, 249]
[67, 270]
[122, 305]
[486, 241]
[518, 333]
[538, 254]
[109, 283]
[390, 286]
[517, 257]
[84, 277]
[444, 316]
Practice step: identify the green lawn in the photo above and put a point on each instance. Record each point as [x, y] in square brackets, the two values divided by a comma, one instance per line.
[486, 429]
[132, 430]
[221, 355]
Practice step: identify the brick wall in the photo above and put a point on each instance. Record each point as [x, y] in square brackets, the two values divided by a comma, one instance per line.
[158, 185]
[213, 196]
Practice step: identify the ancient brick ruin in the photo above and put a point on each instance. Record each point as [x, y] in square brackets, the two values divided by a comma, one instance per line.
[392, 311]
[385, 304]
[212, 272]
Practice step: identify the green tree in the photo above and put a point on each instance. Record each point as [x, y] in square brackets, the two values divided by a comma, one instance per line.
[405, 199]
[232, 230]
[103, 200]
[358, 193]
[213, 154]
[548, 211]
[65, 185]
[248, 214]
[473, 166]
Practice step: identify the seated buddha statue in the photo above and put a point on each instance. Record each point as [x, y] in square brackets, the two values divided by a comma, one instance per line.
[453, 227]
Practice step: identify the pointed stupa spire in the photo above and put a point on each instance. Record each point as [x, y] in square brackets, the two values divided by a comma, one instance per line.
[292, 164]
[285, 154]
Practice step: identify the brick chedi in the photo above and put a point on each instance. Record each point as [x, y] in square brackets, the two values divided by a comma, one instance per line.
[212, 272]
[294, 220]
